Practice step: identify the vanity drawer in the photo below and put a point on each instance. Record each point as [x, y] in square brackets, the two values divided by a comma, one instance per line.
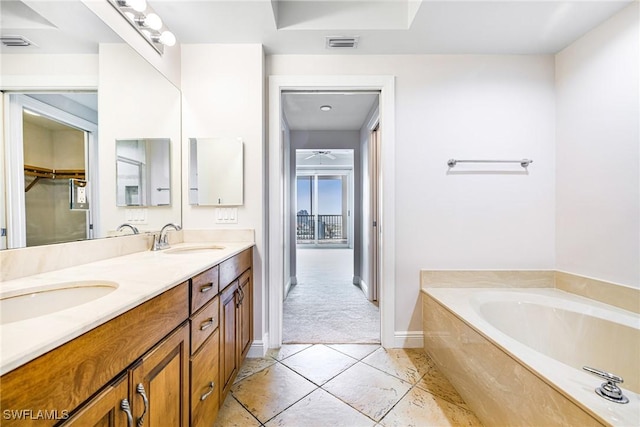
[233, 267]
[204, 286]
[205, 388]
[204, 323]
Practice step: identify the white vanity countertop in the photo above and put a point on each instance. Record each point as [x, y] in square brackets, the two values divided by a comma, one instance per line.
[140, 277]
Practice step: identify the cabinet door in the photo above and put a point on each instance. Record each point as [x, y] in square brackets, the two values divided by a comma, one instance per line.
[245, 317]
[106, 409]
[205, 384]
[228, 338]
[159, 383]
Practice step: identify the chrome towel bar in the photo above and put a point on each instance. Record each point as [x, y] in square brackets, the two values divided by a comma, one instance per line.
[524, 162]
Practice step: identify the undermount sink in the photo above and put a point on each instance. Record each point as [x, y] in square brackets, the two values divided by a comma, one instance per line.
[193, 249]
[51, 299]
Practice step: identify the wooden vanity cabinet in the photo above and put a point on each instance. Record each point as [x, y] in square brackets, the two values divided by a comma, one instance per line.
[167, 362]
[236, 317]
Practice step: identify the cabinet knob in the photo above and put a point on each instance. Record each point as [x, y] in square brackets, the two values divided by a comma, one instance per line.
[141, 392]
[207, 323]
[124, 405]
[211, 387]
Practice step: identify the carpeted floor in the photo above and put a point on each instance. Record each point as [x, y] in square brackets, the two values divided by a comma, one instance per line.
[325, 307]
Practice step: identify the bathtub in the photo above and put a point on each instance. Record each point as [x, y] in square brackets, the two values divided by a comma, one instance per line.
[516, 354]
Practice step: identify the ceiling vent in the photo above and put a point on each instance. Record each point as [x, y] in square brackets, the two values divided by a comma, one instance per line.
[15, 41]
[341, 42]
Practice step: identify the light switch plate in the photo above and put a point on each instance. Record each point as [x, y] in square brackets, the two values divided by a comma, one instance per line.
[226, 215]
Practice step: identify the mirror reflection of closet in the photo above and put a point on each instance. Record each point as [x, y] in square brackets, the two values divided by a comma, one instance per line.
[216, 171]
[143, 172]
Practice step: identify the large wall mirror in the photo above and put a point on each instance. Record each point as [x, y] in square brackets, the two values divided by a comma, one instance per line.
[78, 67]
[216, 171]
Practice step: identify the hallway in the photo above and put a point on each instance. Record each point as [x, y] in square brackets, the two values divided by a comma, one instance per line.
[325, 306]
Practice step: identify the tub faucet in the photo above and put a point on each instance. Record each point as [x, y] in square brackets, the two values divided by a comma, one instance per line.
[161, 242]
[609, 389]
[126, 225]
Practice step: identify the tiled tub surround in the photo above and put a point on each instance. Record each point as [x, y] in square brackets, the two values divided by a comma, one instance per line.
[140, 277]
[513, 369]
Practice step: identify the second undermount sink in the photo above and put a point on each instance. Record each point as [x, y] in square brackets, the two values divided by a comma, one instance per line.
[195, 249]
[52, 298]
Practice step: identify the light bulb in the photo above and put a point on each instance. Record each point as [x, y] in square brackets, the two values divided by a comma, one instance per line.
[153, 21]
[137, 5]
[167, 38]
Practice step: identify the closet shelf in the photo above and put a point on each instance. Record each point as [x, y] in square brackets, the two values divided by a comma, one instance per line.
[47, 173]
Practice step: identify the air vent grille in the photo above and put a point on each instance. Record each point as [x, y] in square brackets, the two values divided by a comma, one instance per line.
[342, 42]
[15, 41]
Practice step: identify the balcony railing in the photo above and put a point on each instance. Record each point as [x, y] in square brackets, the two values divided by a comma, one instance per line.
[329, 229]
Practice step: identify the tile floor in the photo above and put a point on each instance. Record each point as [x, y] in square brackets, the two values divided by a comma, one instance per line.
[348, 385]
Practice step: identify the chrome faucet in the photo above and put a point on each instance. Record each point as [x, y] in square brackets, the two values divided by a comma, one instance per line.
[161, 242]
[126, 225]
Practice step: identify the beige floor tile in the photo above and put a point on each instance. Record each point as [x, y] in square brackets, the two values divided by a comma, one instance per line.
[253, 365]
[286, 350]
[422, 409]
[368, 390]
[437, 384]
[320, 409]
[270, 391]
[319, 363]
[357, 351]
[408, 364]
[233, 414]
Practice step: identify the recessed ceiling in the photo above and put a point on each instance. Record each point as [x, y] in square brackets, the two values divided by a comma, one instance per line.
[349, 110]
[410, 27]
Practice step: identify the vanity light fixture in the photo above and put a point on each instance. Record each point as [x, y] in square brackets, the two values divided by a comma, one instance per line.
[148, 24]
[325, 108]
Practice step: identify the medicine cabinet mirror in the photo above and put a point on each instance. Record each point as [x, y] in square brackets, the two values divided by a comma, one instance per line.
[216, 171]
[143, 172]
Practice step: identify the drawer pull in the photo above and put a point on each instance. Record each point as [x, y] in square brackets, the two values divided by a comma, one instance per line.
[124, 405]
[204, 325]
[211, 387]
[140, 390]
[206, 287]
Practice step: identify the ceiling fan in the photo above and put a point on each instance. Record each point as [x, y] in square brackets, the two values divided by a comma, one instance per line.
[326, 153]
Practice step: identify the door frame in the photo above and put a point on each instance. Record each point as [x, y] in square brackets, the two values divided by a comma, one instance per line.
[277, 248]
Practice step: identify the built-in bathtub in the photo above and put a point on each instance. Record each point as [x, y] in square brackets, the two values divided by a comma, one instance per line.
[516, 355]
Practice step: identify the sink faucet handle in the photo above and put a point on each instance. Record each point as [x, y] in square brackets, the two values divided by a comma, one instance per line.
[609, 389]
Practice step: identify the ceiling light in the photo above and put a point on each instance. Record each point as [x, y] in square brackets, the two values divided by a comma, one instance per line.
[142, 17]
[325, 108]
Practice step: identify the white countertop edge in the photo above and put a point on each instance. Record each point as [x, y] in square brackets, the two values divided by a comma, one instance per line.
[140, 277]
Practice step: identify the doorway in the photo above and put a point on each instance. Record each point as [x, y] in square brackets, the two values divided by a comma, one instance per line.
[51, 153]
[281, 210]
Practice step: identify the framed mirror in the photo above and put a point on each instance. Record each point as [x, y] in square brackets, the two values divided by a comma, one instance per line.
[143, 172]
[216, 171]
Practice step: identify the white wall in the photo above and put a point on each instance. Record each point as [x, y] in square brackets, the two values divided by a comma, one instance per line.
[598, 149]
[466, 107]
[50, 72]
[135, 102]
[223, 96]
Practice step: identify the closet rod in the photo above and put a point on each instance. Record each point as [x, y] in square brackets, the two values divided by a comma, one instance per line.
[524, 162]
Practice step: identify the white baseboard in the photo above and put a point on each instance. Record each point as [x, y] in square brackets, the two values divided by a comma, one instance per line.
[259, 347]
[408, 339]
[365, 289]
